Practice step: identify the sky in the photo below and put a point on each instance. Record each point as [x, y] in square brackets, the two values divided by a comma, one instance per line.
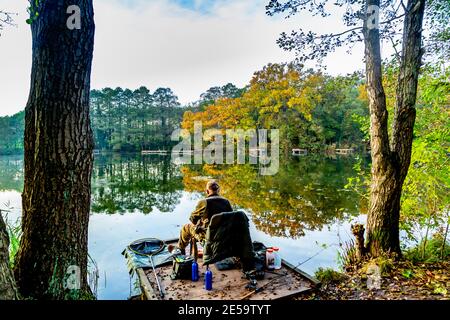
[187, 45]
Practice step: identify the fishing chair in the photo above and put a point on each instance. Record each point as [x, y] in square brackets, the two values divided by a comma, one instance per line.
[227, 236]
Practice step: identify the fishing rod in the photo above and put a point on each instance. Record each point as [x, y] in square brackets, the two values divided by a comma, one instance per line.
[161, 292]
[257, 290]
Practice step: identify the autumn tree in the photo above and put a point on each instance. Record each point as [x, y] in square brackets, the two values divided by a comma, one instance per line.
[52, 259]
[309, 108]
[371, 22]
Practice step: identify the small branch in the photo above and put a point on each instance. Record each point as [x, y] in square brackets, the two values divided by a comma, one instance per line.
[397, 55]
[403, 5]
[358, 28]
[6, 19]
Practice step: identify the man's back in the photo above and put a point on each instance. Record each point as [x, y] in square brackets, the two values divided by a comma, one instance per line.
[215, 205]
[210, 206]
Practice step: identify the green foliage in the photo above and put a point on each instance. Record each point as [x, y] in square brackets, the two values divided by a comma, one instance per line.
[407, 273]
[385, 264]
[430, 250]
[360, 182]
[33, 11]
[14, 233]
[215, 93]
[125, 120]
[347, 256]
[426, 197]
[328, 275]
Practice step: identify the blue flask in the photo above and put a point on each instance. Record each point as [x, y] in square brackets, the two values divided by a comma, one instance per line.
[194, 271]
[208, 280]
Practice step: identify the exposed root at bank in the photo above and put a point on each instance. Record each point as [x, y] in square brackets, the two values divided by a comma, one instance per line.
[402, 280]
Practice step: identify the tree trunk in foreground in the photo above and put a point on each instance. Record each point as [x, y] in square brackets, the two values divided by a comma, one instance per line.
[52, 259]
[390, 161]
[8, 290]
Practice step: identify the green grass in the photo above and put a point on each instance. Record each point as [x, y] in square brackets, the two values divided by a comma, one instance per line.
[429, 250]
[328, 275]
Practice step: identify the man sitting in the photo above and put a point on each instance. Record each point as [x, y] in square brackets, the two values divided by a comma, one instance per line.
[200, 218]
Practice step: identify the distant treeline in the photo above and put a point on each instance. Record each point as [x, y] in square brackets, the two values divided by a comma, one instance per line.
[125, 120]
[312, 110]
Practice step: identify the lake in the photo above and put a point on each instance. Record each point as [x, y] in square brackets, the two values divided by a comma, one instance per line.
[305, 209]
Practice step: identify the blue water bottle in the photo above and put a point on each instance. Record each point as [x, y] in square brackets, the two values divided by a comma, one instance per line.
[208, 279]
[194, 271]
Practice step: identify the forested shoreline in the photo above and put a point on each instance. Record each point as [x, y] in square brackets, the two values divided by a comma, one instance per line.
[314, 111]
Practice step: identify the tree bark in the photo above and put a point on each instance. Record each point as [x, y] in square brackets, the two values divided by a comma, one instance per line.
[390, 162]
[8, 289]
[58, 155]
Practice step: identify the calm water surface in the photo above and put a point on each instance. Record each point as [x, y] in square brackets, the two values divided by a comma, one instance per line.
[304, 209]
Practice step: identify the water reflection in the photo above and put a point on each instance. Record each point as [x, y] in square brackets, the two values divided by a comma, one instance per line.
[128, 183]
[11, 173]
[306, 194]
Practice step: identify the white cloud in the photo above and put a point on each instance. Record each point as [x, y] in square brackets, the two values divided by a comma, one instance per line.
[158, 43]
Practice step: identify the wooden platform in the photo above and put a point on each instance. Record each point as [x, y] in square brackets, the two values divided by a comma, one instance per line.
[345, 151]
[158, 152]
[299, 152]
[227, 284]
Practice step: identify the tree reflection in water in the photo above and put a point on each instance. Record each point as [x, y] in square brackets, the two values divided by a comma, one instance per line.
[306, 194]
[128, 183]
[11, 173]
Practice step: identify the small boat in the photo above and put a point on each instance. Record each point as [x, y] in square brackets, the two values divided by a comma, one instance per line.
[287, 282]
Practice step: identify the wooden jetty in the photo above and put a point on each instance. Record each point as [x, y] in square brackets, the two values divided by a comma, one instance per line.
[287, 282]
[345, 151]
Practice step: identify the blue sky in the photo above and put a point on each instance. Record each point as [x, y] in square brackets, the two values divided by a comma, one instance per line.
[203, 6]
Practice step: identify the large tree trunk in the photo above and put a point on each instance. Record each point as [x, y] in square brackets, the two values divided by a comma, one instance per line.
[58, 155]
[8, 289]
[390, 162]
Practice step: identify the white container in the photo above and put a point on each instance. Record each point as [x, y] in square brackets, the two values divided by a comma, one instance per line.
[276, 253]
[270, 259]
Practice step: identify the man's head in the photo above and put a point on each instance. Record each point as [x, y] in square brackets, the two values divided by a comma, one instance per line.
[212, 187]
